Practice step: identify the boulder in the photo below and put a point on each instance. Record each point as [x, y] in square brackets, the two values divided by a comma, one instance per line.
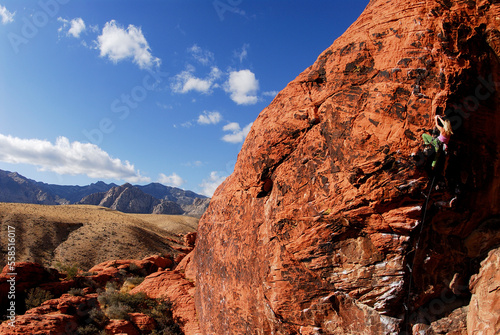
[121, 327]
[145, 323]
[333, 215]
[180, 291]
[484, 309]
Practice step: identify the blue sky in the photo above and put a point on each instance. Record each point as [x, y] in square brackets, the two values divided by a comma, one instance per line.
[148, 91]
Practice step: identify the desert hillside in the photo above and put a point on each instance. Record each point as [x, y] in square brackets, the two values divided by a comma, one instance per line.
[88, 235]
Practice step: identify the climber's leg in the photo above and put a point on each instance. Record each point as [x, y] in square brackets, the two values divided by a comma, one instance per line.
[427, 138]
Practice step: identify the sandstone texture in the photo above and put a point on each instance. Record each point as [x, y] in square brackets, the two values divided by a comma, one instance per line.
[179, 290]
[67, 312]
[484, 310]
[333, 221]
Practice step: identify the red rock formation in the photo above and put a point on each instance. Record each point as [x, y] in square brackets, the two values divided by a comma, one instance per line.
[53, 317]
[121, 327]
[484, 310]
[320, 227]
[27, 275]
[64, 314]
[144, 322]
[174, 286]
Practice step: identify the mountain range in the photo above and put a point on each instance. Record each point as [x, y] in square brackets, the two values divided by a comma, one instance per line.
[153, 198]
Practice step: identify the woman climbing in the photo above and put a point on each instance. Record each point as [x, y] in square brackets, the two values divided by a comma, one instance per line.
[439, 143]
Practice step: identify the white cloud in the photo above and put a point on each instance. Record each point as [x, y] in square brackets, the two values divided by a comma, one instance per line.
[65, 157]
[243, 87]
[194, 164]
[237, 134]
[210, 185]
[7, 17]
[205, 57]
[76, 26]
[233, 126]
[186, 81]
[118, 44]
[270, 93]
[209, 118]
[173, 180]
[243, 53]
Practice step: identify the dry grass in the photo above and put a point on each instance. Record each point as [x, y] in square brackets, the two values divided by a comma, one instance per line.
[87, 235]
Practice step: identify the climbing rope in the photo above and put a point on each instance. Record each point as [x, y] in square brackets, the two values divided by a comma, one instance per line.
[416, 250]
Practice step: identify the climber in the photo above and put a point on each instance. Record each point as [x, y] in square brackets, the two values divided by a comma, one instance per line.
[439, 143]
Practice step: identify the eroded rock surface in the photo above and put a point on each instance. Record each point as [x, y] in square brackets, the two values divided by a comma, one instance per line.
[320, 229]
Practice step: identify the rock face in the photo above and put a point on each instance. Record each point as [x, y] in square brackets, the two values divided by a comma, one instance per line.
[324, 226]
[484, 312]
[130, 199]
[179, 290]
[16, 188]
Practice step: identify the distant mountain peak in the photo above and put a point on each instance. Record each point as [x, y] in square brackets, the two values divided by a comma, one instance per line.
[169, 200]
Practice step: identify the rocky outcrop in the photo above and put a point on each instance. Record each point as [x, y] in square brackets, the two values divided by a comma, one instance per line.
[197, 207]
[67, 313]
[329, 224]
[484, 312]
[173, 285]
[130, 199]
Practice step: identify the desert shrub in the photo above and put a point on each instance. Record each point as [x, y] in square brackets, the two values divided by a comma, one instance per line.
[77, 292]
[117, 305]
[161, 311]
[36, 296]
[90, 330]
[98, 317]
[96, 321]
[112, 286]
[71, 270]
[133, 267]
[136, 280]
[119, 311]
[87, 282]
[131, 283]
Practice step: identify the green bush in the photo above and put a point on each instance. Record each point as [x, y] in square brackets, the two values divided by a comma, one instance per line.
[117, 305]
[71, 270]
[77, 292]
[134, 267]
[135, 280]
[161, 312]
[36, 296]
[98, 317]
[90, 330]
[119, 311]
